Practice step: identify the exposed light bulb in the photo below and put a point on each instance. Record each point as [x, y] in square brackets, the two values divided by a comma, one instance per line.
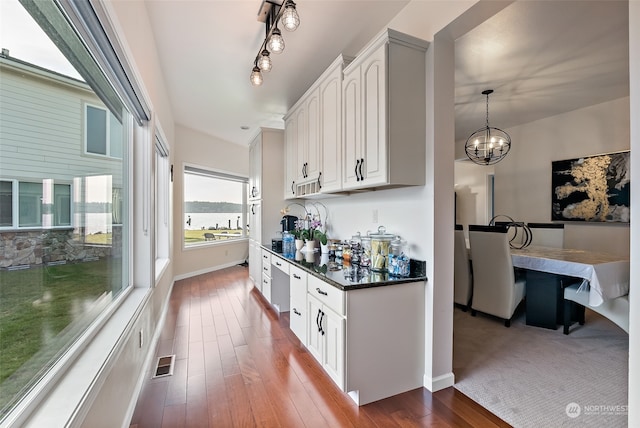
[264, 63]
[256, 76]
[276, 42]
[290, 19]
[476, 142]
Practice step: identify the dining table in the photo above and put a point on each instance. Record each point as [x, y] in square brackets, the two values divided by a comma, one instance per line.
[548, 270]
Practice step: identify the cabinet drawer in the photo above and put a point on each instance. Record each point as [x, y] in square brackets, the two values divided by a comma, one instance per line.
[327, 294]
[280, 264]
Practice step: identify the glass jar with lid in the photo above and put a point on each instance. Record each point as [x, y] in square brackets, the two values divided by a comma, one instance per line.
[355, 244]
[380, 243]
[398, 263]
[365, 258]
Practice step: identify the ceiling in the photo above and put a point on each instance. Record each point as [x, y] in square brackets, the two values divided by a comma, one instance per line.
[542, 58]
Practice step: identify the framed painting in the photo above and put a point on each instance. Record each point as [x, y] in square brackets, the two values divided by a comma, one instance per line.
[591, 189]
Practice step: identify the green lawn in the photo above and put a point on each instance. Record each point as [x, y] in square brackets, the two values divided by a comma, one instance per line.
[195, 236]
[42, 309]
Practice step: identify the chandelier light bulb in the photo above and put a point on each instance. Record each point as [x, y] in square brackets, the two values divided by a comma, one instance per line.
[264, 63]
[276, 42]
[256, 76]
[290, 19]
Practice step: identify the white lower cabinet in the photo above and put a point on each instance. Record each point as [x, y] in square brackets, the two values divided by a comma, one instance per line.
[326, 328]
[298, 303]
[266, 275]
[255, 263]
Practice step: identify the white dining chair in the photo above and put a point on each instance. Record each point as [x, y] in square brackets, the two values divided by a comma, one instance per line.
[496, 290]
[547, 234]
[576, 298]
[462, 279]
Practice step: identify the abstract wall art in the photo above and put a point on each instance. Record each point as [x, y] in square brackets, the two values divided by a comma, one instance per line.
[591, 189]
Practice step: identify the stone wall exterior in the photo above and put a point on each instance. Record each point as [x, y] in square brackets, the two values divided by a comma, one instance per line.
[52, 246]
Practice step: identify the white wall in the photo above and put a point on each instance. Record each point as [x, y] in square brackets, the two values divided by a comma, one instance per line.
[198, 149]
[523, 178]
[471, 193]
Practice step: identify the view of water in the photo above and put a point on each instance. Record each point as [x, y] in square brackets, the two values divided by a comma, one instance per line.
[207, 220]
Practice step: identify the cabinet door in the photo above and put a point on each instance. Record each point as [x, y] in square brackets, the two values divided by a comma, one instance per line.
[298, 303]
[255, 264]
[301, 143]
[266, 286]
[334, 327]
[331, 135]
[315, 338]
[255, 221]
[290, 159]
[351, 129]
[255, 168]
[374, 116]
[312, 143]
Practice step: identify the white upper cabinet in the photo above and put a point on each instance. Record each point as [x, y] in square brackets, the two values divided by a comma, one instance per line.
[384, 114]
[290, 157]
[255, 168]
[313, 134]
[331, 130]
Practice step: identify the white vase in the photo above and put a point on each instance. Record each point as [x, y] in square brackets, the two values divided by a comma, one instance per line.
[324, 248]
[299, 244]
[311, 245]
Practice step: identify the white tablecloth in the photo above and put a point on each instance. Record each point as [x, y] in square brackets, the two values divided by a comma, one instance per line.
[606, 275]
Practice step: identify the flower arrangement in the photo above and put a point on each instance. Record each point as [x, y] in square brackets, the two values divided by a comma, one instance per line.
[310, 227]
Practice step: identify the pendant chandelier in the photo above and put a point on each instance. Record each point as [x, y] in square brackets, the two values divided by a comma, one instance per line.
[488, 145]
[270, 13]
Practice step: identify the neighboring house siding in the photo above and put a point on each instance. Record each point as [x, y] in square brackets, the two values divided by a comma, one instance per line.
[42, 129]
[42, 118]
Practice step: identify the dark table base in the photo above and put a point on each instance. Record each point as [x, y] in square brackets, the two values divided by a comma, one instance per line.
[545, 299]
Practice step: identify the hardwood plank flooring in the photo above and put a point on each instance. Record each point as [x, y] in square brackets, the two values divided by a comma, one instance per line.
[239, 365]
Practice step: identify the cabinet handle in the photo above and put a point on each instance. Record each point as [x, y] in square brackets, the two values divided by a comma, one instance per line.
[278, 264]
[295, 311]
[356, 170]
[321, 318]
[293, 184]
[265, 281]
[296, 276]
[319, 185]
[253, 209]
[318, 321]
[264, 256]
[324, 293]
[361, 164]
[265, 269]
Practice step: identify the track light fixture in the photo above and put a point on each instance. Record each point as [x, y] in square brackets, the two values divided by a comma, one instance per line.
[272, 11]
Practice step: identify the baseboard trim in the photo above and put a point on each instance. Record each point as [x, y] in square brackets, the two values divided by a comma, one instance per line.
[207, 270]
[440, 382]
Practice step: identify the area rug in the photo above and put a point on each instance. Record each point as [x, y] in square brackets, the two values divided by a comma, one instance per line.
[536, 377]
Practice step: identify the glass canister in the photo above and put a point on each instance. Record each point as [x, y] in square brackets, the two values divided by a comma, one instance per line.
[355, 244]
[380, 243]
[365, 258]
[398, 264]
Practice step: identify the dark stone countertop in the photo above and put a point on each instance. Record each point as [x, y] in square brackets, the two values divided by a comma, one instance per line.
[344, 275]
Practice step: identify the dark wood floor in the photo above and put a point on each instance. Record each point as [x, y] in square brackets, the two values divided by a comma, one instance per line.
[238, 365]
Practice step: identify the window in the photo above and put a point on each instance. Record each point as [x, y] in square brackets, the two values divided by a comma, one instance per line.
[66, 258]
[162, 217]
[103, 132]
[214, 206]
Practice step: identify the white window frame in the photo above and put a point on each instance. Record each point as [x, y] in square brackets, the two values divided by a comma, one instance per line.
[109, 118]
[15, 205]
[163, 177]
[221, 174]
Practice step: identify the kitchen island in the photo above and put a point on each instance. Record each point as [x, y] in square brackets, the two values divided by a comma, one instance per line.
[366, 329]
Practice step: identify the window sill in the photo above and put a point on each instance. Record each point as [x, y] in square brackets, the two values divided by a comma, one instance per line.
[66, 401]
[209, 244]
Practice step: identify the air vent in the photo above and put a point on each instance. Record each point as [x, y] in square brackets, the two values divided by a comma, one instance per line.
[164, 367]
